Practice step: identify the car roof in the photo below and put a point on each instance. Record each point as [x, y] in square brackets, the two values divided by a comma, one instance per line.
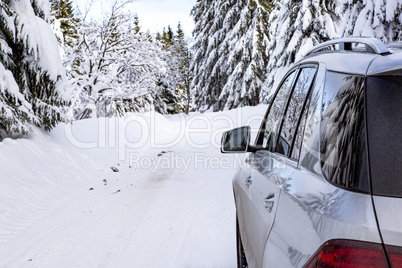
[372, 58]
[386, 64]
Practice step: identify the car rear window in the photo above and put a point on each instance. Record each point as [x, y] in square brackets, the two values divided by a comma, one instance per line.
[384, 127]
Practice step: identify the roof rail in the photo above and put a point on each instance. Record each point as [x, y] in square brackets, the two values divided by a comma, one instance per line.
[372, 45]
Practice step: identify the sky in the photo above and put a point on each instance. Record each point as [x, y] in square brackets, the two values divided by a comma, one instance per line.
[156, 14]
[153, 15]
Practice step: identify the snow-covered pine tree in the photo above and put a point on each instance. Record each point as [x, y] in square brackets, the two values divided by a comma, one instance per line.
[244, 49]
[64, 18]
[121, 70]
[381, 19]
[208, 34]
[184, 74]
[168, 36]
[256, 73]
[234, 52]
[230, 58]
[158, 37]
[294, 27]
[179, 77]
[31, 71]
[171, 99]
[178, 60]
[137, 27]
[15, 112]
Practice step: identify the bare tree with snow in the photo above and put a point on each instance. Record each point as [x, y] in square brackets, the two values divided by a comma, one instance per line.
[117, 69]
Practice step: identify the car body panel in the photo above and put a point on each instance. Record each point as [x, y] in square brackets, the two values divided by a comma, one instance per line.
[241, 193]
[311, 212]
[385, 64]
[269, 175]
[389, 215]
[341, 61]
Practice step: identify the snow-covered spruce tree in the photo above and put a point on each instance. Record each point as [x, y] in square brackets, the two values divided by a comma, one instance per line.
[381, 19]
[167, 40]
[31, 71]
[63, 18]
[184, 74]
[245, 51]
[294, 27]
[179, 76]
[168, 36]
[208, 34]
[120, 69]
[230, 62]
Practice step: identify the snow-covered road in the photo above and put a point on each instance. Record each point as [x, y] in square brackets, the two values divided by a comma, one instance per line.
[169, 205]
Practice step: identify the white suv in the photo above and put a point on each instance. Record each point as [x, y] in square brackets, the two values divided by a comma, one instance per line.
[322, 185]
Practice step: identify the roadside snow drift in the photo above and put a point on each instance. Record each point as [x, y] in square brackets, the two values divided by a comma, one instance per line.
[143, 191]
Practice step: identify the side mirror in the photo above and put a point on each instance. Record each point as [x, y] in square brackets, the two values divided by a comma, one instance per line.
[236, 140]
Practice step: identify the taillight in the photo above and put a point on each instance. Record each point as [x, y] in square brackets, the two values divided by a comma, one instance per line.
[348, 253]
[395, 256]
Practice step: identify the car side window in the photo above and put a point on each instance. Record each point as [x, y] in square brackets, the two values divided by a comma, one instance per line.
[276, 111]
[343, 132]
[300, 132]
[293, 120]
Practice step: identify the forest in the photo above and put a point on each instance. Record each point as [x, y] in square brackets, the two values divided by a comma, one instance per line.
[57, 66]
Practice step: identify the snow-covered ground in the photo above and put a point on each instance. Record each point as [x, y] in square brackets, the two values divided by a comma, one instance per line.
[143, 191]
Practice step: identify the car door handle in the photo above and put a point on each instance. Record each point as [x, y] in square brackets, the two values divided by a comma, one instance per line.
[248, 182]
[269, 202]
